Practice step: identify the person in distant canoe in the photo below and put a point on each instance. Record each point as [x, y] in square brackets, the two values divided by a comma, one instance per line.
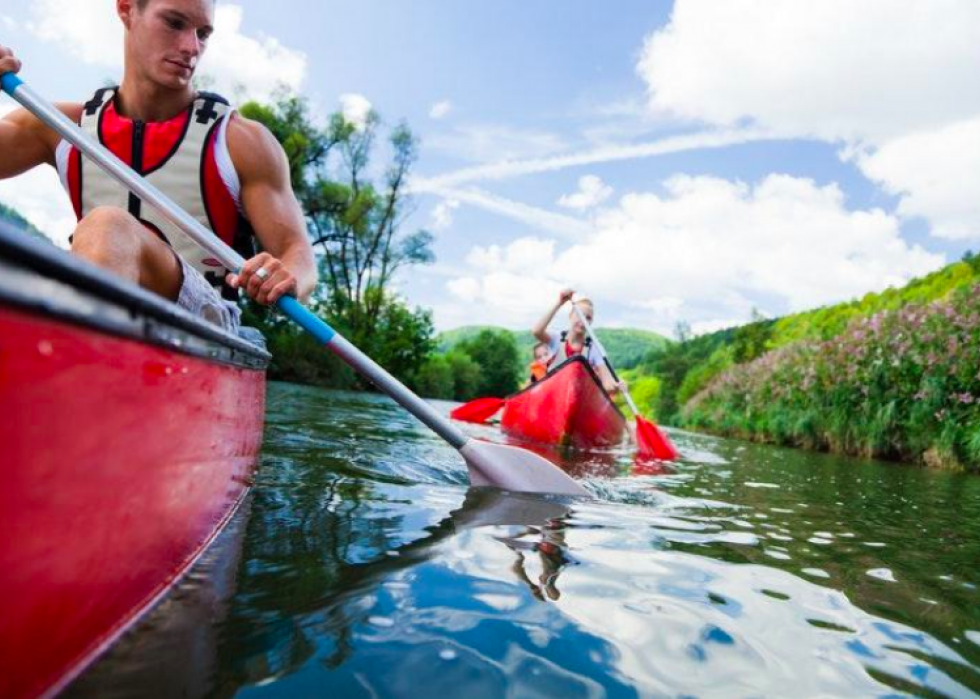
[575, 340]
[542, 359]
[224, 170]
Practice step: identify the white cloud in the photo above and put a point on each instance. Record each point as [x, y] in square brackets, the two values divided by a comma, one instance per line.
[355, 108]
[89, 30]
[895, 79]
[234, 63]
[723, 247]
[835, 69]
[565, 226]
[256, 66]
[937, 173]
[441, 109]
[39, 197]
[592, 191]
[490, 143]
[442, 214]
[502, 168]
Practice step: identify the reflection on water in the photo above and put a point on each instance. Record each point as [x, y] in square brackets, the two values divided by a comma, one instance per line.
[369, 568]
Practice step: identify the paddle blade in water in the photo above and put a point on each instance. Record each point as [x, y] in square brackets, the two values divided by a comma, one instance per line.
[651, 442]
[513, 468]
[478, 411]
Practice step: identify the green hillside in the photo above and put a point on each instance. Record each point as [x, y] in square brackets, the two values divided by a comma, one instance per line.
[626, 346]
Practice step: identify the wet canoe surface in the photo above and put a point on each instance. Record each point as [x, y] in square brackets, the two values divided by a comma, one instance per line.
[367, 567]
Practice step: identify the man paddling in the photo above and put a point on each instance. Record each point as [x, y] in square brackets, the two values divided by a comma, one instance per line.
[574, 340]
[225, 170]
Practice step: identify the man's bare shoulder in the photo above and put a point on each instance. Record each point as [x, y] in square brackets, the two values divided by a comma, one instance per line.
[253, 149]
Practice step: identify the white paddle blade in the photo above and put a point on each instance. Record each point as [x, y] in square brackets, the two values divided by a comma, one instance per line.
[513, 468]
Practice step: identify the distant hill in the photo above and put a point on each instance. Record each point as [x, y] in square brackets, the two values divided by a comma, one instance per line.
[626, 346]
[12, 217]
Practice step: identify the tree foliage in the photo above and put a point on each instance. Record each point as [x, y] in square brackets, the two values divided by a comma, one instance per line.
[496, 355]
[356, 226]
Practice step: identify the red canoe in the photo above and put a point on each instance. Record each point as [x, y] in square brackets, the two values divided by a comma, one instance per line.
[130, 431]
[568, 408]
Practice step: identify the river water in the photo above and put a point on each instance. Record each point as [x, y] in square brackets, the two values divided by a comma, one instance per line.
[367, 567]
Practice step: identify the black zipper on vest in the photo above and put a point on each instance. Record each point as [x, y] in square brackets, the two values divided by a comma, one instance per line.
[135, 204]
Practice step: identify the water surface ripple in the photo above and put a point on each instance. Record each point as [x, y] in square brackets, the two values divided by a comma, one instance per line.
[368, 568]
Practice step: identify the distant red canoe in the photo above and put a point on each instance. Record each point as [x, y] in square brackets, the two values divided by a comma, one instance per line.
[129, 431]
[568, 408]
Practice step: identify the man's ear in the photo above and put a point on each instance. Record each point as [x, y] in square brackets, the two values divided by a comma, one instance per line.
[126, 9]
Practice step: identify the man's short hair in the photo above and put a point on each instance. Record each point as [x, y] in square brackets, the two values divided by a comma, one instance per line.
[141, 4]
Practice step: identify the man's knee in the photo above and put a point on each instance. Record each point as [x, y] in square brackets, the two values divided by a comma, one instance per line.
[105, 225]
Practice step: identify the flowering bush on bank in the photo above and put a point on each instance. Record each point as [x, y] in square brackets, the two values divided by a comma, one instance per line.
[901, 384]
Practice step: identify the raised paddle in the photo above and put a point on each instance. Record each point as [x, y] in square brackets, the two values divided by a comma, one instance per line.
[650, 441]
[478, 411]
[498, 465]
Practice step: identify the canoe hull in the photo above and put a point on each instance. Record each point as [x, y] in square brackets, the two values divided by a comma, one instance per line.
[123, 459]
[568, 408]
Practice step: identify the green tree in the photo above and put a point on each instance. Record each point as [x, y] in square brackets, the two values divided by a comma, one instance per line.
[496, 355]
[435, 378]
[752, 340]
[356, 224]
[466, 376]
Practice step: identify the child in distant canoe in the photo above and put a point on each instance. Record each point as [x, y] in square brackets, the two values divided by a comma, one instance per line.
[542, 359]
[575, 340]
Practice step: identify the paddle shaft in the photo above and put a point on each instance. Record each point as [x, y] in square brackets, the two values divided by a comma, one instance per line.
[364, 365]
[605, 358]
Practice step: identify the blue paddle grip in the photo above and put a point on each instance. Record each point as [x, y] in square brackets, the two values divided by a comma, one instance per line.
[10, 82]
[296, 311]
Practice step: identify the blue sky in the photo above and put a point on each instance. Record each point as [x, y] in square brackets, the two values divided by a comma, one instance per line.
[570, 143]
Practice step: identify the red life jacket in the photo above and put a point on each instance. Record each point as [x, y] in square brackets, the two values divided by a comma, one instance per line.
[185, 157]
[565, 349]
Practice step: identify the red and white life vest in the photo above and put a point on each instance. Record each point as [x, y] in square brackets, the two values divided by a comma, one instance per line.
[186, 158]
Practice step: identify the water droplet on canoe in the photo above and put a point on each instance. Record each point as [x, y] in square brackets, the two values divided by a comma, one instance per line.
[45, 348]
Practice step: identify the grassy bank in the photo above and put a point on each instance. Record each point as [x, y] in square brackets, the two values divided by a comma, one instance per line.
[900, 384]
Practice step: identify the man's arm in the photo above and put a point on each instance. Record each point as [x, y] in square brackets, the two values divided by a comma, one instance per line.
[25, 142]
[540, 330]
[271, 207]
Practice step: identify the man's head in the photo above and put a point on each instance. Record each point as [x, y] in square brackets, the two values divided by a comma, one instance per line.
[165, 39]
[588, 310]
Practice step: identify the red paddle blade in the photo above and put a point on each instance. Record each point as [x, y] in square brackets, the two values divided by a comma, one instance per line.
[478, 411]
[651, 442]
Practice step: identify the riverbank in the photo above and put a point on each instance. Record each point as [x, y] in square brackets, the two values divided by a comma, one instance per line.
[901, 385]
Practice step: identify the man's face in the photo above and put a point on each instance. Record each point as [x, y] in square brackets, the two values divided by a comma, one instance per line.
[576, 323]
[167, 38]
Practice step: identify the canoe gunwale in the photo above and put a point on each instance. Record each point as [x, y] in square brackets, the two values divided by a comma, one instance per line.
[42, 279]
[568, 362]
